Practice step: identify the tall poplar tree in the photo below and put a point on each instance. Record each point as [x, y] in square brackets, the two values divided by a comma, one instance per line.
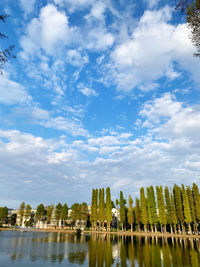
[168, 208]
[191, 204]
[152, 209]
[49, 212]
[186, 208]
[122, 210]
[108, 207]
[101, 206]
[161, 208]
[173, 213]
[130, 212]
[196, 197]
[92, 216]
[178, 205]
[144, 214]
[137, 213]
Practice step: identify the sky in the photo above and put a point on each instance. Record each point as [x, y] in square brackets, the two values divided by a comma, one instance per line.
[101, 93]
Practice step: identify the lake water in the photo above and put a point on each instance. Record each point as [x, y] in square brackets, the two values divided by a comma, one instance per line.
[29, 249]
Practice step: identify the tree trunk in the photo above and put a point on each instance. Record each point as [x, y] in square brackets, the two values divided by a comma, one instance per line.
[171, 227]
[122, 226]
[131, 227]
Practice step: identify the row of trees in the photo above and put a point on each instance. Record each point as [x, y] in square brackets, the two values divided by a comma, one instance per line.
[58, 213]
[176, 210]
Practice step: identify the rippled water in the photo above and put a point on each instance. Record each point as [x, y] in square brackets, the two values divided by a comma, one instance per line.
[58, 249]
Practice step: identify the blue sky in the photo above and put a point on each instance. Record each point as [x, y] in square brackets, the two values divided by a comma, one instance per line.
[102, 93]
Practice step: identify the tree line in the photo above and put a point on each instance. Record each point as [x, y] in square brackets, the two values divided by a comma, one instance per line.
[175, 210]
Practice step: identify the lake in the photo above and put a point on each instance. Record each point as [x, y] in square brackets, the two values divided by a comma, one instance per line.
[29, 249]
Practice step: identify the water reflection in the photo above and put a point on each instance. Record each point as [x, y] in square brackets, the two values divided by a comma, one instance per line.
[100, 250]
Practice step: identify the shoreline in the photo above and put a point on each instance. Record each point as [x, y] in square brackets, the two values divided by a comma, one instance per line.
[119, 233]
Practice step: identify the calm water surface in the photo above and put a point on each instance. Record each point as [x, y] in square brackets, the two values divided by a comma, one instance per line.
[22, 249]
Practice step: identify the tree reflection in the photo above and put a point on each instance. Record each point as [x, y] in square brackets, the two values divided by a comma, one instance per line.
[101, 250]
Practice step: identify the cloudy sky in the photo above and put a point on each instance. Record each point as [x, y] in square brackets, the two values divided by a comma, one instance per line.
[102, 93]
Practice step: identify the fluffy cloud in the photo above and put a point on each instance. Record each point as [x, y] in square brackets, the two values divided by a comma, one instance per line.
[75, 58]
[86, 90]
[49, 32]
[150, 53]
[12, 92]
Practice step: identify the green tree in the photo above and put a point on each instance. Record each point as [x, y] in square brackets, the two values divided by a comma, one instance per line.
[173, 213]
[94, 208]
[40, 213]
[186, 208]
[108, 207]
[196, 196]
[137, 213]
[64, 213]
[130, 212]
[84, 212]
[178, 205]
[122, 210]
[27, 213]
[58, 212]
[191, 204]
[76, 212]
[21, 212]
[161, 208]
[49, 212]
[101, 206]
[168, 208]
[152, 209]
[144, 214]
[117, 205]
[3, 214]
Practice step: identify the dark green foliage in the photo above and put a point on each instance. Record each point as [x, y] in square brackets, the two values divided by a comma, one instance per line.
[152, 209]
[130, 212]
[122, 210]
[191, 203]
[40, 212]
[58, 211]
[64, 212]
[186, 207]
[3, 214]
[137, 213]
[178, 203]
[101, 206]
[144, 214]
[161, 206]
[196, 196]
[49, 212]
[94, 207]
[108, 206]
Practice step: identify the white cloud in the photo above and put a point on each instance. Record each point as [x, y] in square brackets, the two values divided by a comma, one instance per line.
[86, 90]
[74, 127]
[49, 32]
[150, 52]
[75, 58]
[27, 5]
[12, 92]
